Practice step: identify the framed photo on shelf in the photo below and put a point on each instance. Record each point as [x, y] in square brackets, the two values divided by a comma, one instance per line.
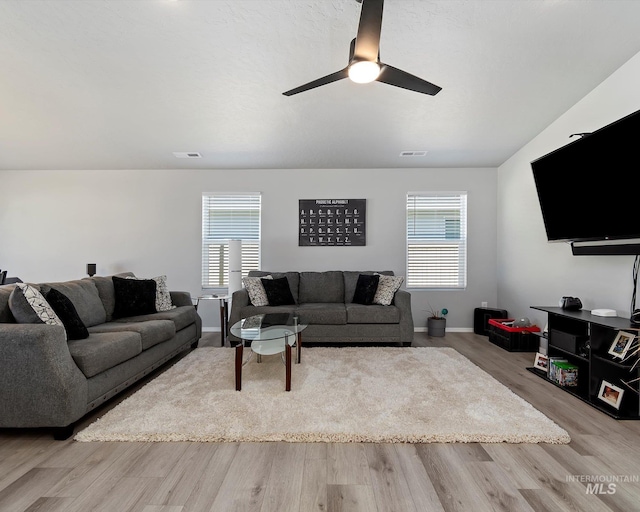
[541, 362]
[621, 344]
[610, 394]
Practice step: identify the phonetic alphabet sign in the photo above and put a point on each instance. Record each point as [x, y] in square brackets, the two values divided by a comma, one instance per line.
[330, 222]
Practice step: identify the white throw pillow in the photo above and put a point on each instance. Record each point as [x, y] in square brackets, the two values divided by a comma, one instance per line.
[163, 297]
[39, 304]
[257, 293]
[387, 287]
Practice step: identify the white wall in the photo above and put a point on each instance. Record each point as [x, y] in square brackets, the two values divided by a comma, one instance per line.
[532, 271]
[54, 222]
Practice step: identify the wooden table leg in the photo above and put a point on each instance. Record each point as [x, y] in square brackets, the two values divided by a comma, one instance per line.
[298, 347]
[287, 351]
[239, 366]
[224, 321]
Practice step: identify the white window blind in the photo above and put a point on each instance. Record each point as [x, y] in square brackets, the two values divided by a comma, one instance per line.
[229, 217]
[437, 240]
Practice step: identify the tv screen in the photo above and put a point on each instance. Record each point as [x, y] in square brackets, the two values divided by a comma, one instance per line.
[589, 189]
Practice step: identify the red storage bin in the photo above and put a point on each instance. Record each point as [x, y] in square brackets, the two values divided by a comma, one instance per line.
[513, 339]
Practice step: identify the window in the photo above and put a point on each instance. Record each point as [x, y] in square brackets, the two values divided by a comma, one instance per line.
[229, 217]
[437, 240]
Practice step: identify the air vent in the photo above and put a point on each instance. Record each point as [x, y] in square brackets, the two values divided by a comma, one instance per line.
[413, 153]
[189, 154]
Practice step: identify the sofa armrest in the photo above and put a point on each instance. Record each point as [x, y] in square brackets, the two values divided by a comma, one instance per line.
[181, 298]
[239, 300]
[40, 384]
[402, 300]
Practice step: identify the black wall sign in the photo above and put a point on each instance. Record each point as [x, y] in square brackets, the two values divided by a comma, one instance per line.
[332, 222]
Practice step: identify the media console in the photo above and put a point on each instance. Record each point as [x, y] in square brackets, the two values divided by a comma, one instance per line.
[584, 340]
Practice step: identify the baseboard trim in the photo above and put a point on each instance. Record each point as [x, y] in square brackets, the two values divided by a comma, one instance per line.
[416, 329]
[448, 329]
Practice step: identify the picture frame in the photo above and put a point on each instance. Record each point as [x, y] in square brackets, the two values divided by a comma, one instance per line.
[332, 222]
[610, 394]
[621, 344]
[541, 362]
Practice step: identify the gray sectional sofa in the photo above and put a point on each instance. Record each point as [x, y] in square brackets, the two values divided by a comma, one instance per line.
[48, 379]
[324, 300]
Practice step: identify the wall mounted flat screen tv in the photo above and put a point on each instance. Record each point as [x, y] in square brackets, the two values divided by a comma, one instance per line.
[589, 190]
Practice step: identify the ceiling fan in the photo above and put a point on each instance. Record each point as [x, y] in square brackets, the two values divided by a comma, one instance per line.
[364, 58]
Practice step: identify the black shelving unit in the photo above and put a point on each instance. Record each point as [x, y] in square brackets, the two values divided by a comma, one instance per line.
[584, 340]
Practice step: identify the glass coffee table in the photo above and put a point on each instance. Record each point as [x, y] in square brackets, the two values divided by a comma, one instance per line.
[268, 334]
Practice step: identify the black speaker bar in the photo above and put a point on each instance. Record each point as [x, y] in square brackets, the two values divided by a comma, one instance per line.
[605, 250]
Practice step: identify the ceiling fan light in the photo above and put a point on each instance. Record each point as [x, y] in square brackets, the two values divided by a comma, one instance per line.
[364, 71]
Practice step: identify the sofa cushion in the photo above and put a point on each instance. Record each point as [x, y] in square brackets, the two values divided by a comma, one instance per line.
[104, 350]
[29, 306]
[5, 311]
[182, 316]
[256, 291]
[134, 297]
[321, 287]
[373, 314]
[322, 313]
[351, 279]
[278, 291]
[151, 332]
[387, 288]
[248, 311]
[66, 311]
[292, 277]
[366, 289]
[85, 298]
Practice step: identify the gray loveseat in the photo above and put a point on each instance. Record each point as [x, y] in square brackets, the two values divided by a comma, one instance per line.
[49, 381]
[324, 300]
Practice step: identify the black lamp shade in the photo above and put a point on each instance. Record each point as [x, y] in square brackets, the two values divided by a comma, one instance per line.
[91, 269]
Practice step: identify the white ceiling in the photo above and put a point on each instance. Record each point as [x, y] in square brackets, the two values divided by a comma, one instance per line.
[122, 84]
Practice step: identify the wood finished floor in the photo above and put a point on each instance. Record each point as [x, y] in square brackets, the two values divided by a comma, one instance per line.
[40, 474]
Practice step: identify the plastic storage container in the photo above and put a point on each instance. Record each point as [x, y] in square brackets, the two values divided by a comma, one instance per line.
[513, 339]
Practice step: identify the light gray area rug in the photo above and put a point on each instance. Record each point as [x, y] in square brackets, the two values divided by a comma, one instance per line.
[353, 394]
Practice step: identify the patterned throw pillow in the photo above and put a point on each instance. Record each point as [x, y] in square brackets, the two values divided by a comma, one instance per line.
[257, 293]
[163, 297]
[387, 287]
[41, 310]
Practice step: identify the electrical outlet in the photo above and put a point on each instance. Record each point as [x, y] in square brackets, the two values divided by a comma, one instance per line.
[484, 304]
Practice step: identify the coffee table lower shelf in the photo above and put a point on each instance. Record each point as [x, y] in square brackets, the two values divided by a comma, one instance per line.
[268, 334]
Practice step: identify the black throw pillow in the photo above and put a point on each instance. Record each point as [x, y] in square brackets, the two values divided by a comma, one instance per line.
[67, 313]
[366, 289]
[134, 297]
[278, 291]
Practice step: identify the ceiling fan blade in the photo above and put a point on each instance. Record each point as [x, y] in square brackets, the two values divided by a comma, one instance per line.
[368, 36]
[398, 78]
[333, 77]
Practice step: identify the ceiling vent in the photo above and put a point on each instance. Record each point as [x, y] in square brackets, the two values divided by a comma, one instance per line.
[188, 154]
[413, 153]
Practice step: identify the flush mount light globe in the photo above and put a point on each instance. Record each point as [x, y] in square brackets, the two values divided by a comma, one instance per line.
[364, 71]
